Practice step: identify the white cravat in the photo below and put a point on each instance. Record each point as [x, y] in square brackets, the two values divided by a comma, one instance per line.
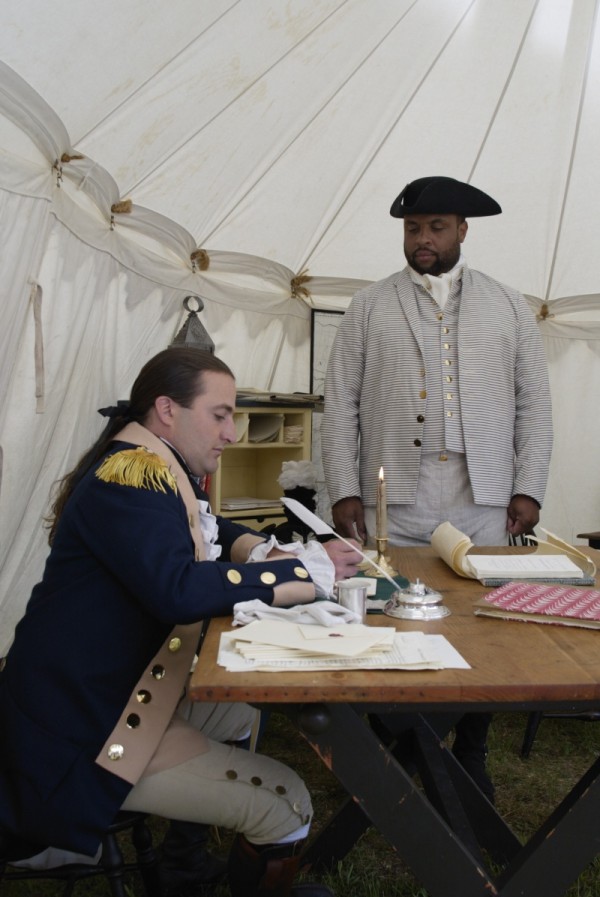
[439, 287]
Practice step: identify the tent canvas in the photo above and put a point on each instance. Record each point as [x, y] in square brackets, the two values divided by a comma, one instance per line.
[268, 139]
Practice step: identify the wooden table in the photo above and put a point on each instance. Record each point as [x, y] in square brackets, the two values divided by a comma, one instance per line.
[446, 831]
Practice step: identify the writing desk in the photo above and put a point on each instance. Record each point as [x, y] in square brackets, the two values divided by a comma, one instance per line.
[446, 830]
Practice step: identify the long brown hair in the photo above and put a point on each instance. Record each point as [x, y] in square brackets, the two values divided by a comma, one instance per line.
[175, 372]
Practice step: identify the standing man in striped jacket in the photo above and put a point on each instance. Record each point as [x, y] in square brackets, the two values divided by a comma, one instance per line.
[438, 375]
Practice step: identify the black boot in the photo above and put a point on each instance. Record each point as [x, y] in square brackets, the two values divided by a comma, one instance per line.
[267, 871]
[470, 749]
[187, 866]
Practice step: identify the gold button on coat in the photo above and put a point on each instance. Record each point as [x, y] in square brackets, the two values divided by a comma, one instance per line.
[231, 774]
[144, 696]
[234, 576]
[423, 394]
[174, 645]
[158, 671]
[133, 721]
[115, 751]
[268, 578]
[301, 572]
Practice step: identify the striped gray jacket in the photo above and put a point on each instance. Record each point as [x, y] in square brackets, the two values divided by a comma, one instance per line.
[376, 386]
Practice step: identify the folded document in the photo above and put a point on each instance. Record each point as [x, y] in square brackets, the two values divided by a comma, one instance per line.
[269, 645]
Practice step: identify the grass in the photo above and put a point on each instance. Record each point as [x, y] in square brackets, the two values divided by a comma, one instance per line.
[526, 791]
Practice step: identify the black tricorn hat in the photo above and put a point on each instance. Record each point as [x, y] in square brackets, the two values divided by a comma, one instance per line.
[443, 196]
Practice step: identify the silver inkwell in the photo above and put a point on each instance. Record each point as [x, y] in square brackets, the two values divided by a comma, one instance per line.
[416, 602]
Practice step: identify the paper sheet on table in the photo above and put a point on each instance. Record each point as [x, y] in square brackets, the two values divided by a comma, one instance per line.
[409, 651]
[346, 640]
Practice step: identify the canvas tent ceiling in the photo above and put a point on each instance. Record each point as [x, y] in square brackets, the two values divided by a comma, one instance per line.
[274, 136]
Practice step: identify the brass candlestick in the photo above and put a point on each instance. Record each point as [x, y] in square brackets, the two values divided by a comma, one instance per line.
[382, 560]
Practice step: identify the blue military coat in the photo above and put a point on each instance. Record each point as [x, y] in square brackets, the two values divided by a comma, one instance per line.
[121, 575]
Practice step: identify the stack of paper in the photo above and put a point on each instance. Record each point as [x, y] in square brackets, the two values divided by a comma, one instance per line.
[274, 645]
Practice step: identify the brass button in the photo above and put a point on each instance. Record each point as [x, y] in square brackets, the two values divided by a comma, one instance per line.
[448, 414]
[256, 781]
[420, 418]
[448, 379]
[133, 721]
[449, 395]
[417, 442]
[268, 578]
[174, 645]
[447, 361]
[445, 330]
[158, 672]
[440, 317]
[423, 394]
[144, 696]
[301, 572]
[115, 751]
[446, 345]
[280, 789]
[231, 774]
[443, 457]
[234, 576]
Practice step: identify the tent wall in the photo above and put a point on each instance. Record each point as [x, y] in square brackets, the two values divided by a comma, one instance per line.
[272, 138]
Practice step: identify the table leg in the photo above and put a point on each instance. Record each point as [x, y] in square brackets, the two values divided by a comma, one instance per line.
[564, 845]
[391, 800]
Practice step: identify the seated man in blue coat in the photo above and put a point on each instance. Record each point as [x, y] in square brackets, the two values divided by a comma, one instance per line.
[90, 688]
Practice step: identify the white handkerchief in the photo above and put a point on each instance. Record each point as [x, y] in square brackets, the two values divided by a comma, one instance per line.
[323, 613]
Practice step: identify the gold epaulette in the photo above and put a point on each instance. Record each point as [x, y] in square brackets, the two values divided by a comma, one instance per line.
[139, 468]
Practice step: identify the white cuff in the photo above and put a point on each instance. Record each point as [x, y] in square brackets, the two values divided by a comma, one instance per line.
[312, 555]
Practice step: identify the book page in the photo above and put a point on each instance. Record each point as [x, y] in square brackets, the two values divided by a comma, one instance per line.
[529, 566]
[452, 546]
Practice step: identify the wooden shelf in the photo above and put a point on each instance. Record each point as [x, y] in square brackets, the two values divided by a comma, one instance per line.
[251, 468]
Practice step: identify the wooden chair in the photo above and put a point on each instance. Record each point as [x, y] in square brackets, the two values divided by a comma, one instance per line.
[112, 864]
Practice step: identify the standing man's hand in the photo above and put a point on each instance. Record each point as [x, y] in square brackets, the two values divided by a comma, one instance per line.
[523, 515]
[349, 518]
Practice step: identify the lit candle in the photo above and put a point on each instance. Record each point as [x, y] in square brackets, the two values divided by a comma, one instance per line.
[381, 516]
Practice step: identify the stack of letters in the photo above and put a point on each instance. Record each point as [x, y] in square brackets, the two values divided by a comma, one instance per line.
[274, 645]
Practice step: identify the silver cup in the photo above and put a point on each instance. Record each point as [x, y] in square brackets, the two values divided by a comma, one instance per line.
[353, 597]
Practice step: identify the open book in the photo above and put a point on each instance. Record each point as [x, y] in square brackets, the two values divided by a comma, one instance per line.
[552, 561]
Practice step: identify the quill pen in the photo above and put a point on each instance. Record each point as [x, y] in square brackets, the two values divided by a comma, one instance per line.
[320, 528]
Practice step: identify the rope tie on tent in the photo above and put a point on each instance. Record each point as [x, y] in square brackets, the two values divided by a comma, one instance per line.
[123, 207]
[544, 312]
[299, 291]
[64, 160]
[200, 260]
